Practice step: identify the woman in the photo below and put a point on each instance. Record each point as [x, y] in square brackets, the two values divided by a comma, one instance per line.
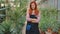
[33, 17]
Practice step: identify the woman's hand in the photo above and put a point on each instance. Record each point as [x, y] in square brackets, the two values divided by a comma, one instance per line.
[33, 20]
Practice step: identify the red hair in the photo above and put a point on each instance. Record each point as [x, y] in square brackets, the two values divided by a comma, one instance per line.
[30, 10]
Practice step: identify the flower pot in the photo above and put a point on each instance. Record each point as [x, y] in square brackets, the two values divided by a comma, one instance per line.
[42, 33]
[54, 33]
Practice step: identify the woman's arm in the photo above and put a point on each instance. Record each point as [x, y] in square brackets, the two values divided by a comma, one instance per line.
[27, 15]
[38, 17]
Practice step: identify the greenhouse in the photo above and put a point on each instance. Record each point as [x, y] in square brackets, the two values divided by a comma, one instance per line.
[13, 16]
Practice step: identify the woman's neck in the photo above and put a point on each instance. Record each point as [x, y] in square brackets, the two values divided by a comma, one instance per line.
[33, 12]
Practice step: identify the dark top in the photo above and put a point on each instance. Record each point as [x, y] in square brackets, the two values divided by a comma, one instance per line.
[33, 17]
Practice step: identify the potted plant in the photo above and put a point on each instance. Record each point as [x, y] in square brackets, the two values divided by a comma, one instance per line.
[48, 19]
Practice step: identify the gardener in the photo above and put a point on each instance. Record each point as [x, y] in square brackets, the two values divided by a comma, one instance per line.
[32, 17]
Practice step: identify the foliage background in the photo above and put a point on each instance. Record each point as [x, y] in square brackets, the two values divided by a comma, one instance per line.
[16, 17]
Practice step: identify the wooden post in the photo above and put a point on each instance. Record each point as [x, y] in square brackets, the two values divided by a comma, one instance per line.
[6, 2]
[24, 28]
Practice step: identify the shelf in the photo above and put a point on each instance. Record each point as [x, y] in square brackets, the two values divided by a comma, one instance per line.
[3, 9]
[2, 15]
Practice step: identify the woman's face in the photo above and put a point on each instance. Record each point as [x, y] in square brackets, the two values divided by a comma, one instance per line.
[33, 6]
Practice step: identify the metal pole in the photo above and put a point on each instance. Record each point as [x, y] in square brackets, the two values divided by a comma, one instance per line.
[57, 11]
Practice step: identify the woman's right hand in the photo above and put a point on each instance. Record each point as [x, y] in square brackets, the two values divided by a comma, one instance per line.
[33, 20]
